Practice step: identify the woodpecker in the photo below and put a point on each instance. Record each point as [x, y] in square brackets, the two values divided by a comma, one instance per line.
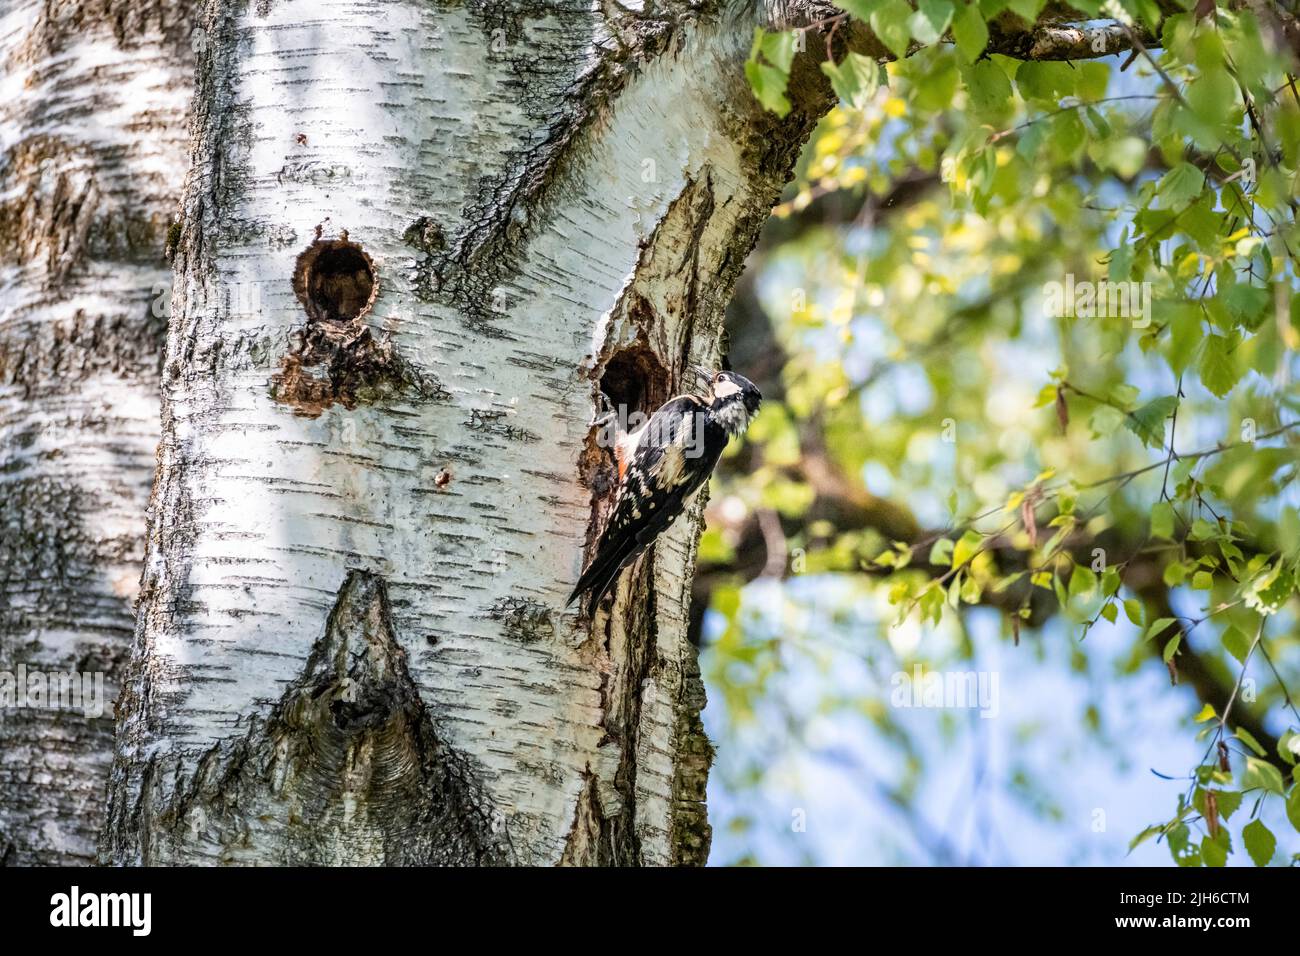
[660, 465]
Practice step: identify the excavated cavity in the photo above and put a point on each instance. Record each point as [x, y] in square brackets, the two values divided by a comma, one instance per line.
[634, 380]
[335, 357]
[335, 280]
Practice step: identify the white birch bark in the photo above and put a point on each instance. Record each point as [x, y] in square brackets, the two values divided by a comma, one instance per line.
[92, 146]
[352, 644]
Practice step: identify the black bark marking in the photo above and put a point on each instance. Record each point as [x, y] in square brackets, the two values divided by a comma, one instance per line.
[493, 421]
[348, 767]
[483, 251]
[526, 621]
[346, 364]
[426, 236]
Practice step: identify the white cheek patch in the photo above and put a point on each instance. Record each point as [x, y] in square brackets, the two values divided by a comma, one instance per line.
[725, 389]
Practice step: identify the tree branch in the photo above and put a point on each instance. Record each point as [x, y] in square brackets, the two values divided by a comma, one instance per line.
[1048, 39]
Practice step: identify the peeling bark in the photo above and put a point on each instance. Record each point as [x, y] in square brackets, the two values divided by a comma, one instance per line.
[93, 100]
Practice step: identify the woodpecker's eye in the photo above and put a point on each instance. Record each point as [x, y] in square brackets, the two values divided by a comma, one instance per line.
[717, 378]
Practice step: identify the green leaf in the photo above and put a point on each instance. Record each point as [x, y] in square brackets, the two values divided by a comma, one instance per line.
[1219, 367]
[889, 21]
[1260, 842]
[1180, 185]
[1027, 9]
[1124, 395]
[1110, 582]
[1171, 647]
[1205, 713]
[1082, 581]
[990, 90]
[1270, 591]
[1100, 125]
[1289, 524]
[1185, 337]
[1212, 96]
[1148, 422]
[1201, 222]
[1068, 135]
[1236, 643]
[941, 552]
[1184, 853]
[1142, 837]
[1288, 746]
[777, 47]
[1162, 519]
[1245, 736]
[1110, 612]
[1248, 304]
[1157, 627]
[1228, 802]
[855, 79]
[1214, 852]
[1047, 82]
[1261, 775]
[768, 68]
[1119, 267]
[768, 84]
[1293, 807]
[970, 31]
[930, 22]
[966, 548]
[1092, 78]
[1133, 611]
[858, 8]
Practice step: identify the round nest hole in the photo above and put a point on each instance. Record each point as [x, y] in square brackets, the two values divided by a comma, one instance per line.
[635, 380]
[335, 281]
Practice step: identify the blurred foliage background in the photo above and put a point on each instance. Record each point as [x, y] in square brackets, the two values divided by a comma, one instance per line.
[963, 466]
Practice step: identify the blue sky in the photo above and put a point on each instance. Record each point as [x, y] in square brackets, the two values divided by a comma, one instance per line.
[833, 769]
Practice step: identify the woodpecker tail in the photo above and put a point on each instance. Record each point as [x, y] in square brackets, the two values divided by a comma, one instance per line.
[602, 574]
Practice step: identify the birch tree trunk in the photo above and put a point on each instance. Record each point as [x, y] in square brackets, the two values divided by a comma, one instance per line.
[92, 145]
[419, 239]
